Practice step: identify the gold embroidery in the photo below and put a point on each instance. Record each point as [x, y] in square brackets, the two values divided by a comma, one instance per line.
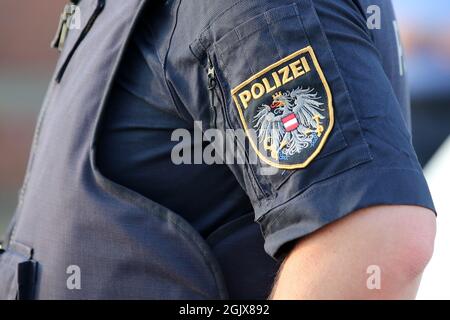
[261, 85]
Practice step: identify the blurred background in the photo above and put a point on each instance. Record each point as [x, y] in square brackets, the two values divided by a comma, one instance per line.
[27, 62]
[425, 31]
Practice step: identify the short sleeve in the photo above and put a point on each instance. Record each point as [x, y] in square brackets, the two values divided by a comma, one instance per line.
[318, 129]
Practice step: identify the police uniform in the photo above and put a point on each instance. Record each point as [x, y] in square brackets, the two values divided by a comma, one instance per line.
[322, 102]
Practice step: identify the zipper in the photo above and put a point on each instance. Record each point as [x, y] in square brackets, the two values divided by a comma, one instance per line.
[214, 84]
[64, 25]
[63, 29]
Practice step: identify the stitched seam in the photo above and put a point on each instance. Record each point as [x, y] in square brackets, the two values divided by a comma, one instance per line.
[266, 26]
[277, 46]
[219, 16]
[337, 122]
[319, 181]
[244, 50]
[253, 176]
[306, 194]
[334, 61]
[164, 64]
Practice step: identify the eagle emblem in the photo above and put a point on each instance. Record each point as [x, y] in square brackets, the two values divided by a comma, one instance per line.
[291, 123]
[286, 110]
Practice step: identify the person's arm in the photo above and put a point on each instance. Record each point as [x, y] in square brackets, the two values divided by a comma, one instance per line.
[349, 148]
[341, 260]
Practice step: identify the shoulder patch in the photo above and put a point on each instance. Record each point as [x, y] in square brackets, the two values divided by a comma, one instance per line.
[286, 110]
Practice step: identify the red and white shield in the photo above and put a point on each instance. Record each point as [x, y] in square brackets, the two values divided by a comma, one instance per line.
[290, 122]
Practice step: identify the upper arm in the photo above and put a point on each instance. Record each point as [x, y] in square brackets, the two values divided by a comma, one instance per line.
[395, 241]
[340, 143]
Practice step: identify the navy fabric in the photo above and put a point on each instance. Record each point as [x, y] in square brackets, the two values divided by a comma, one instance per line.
[134, 146]
[126, 244]
[367, 160]
[71, 217]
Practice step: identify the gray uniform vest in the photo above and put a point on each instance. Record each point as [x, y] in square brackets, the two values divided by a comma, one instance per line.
[70, 217]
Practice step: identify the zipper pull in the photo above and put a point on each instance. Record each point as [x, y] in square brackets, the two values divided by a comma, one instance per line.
[212, 83]
[88, 25]
[63, 27]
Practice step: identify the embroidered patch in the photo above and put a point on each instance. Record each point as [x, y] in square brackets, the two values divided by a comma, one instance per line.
[286, 110]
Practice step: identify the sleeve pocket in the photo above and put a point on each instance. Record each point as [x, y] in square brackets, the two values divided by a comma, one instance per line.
[280, 83]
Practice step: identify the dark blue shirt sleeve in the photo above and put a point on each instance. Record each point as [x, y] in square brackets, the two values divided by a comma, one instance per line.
[333, 94]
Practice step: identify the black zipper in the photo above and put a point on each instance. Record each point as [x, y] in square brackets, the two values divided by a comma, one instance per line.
[214, 84]
[63, 25]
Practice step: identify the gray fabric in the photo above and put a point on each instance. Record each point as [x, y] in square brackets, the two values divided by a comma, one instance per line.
[135, 145]
[126, 245]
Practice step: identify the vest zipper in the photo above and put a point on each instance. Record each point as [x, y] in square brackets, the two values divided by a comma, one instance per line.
[61, 34]
[63, 25]
[63, 28]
